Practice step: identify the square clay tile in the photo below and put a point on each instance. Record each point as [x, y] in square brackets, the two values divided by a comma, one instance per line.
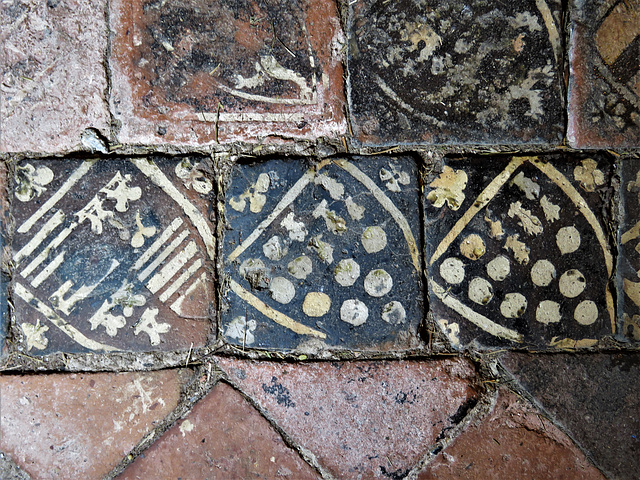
[518, 251]
[195, 72]
[628, 280]
[323, 254]
[604, 87]
[53, 75]
[472, 72]
[112, 255]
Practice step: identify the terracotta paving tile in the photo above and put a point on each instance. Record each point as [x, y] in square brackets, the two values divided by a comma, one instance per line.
[604, 87]
[112, 255]
[223, 437]
[361, 419]
[514, 441]
[81, 425]
[190, 72]
[628, 279]
[518, 251]
[456, 72]
[595, 397]
[323, 256]
[53, 75]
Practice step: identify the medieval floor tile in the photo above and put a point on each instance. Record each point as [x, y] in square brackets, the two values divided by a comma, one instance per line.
[628, 280]
[361, 419]
[513, 441]
[5, 253]
[223, 437]
[193, 72]
[53, 75]
[112, 255]
[321, 256]
[604, 87]
[81, 425]
[595, 397]
[518, 251]
[456, 72]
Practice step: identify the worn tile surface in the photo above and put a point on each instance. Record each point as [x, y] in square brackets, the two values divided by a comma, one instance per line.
[455, 72]
[595, 397]
[628, 278]
[323, 255]
[513, 441]
[518, 253]
[361, 419]
[222, 437]
[81, 425]
[195, 73]
[53, 75]
[5, 252]
[604, 88]
[112, 255]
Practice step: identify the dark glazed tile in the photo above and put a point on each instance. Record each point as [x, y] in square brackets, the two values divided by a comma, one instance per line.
[222, 437]
[438, 72]
[513, 441]
[112, 255]
[194, 72]
[5, 253]
[517, 252]
[323, 255]
[604, 87]
[82, 425]
[371, 420]
[595, 397]
[628, 280]
[53, 77]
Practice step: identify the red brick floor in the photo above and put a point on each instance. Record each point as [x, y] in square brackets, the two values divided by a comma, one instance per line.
[325, 239]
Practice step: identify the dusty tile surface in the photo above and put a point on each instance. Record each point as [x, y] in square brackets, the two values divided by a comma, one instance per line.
[324, 255]
[361, 419]
[112, 255]
[53, 76]
[628, 278]
[604, 88]
[513, 441]
[189, 72]
[223, 437]
[455, 72]
[517, 252]
[594, 397]
[81, 425]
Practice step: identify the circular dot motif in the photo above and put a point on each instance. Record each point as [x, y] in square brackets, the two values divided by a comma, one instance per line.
[499, 268]
[374, 239]
[347, 272]
[480, 291]
[394, 313]
[572, 283]
[378, 283]
[586, 312]
[452, 270]
[316, 304]
[513, 306]
[300, 267]
[472, 247]
[548, 311]
[282, 290]
[542, 273]
[354, 311]
[568, 239]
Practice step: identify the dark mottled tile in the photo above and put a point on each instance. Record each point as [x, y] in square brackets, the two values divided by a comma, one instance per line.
[438, 72]
[518, 251]
[595, 397]
[604, 87]
[323, 255]
[194, 72]
[112, 255]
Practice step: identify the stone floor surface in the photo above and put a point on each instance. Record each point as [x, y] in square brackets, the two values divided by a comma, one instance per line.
[319, 239]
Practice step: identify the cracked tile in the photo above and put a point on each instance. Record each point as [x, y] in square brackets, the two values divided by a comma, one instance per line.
[518, 251]
[112, 255]
[189, 72]
[322, 256]
[222, 437]
[361, 419]
[604, 86]
[424, 72]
